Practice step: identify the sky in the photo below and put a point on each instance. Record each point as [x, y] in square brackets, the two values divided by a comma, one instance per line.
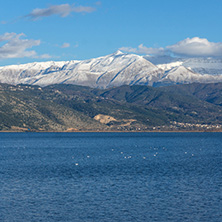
[45, 30]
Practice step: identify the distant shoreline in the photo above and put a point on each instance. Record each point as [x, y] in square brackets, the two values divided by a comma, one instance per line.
[88, 131]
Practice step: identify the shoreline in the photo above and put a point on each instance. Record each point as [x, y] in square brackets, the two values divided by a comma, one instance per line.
[94, 131]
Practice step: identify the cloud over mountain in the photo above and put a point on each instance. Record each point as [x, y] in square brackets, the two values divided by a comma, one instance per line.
[196, 47]
[188, 47]
[144, 50]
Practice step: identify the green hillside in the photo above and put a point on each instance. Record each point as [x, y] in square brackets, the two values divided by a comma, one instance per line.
[125, 108]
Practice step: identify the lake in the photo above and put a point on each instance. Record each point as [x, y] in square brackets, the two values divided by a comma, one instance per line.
[110, 177]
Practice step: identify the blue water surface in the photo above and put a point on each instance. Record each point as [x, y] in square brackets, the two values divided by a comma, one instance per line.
[110, 177]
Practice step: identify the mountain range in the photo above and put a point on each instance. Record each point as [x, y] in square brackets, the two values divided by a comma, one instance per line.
[117, 92]
[125, 108]
[115, 70]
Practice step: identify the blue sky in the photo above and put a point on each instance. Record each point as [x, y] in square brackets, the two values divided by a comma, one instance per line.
[41, 30]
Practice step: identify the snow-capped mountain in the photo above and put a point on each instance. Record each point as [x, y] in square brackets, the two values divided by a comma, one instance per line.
[112, 70]
[183, 75]
[211, 66]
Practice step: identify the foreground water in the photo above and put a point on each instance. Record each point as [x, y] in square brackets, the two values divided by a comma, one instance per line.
[110, 177]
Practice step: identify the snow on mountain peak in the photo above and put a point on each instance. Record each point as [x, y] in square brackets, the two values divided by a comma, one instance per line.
[118, 52]
[107, 71]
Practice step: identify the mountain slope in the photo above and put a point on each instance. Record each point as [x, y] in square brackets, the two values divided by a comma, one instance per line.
[107, 71]
[22, 108]
[173, 100]
[112, 70]
[64, 107]
[211, 93]
[210, 65]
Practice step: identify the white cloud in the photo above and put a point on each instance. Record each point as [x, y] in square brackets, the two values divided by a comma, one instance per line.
[65, 45]
[15, 46]
[188, 47]
[196, 47]
[128, 49]
[61, 10]
[144, 50]
[154, 51]
[7, 36]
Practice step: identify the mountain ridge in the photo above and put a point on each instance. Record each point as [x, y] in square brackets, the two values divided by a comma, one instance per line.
[109, 71]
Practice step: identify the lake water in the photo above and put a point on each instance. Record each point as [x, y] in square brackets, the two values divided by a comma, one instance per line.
[110, 177]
